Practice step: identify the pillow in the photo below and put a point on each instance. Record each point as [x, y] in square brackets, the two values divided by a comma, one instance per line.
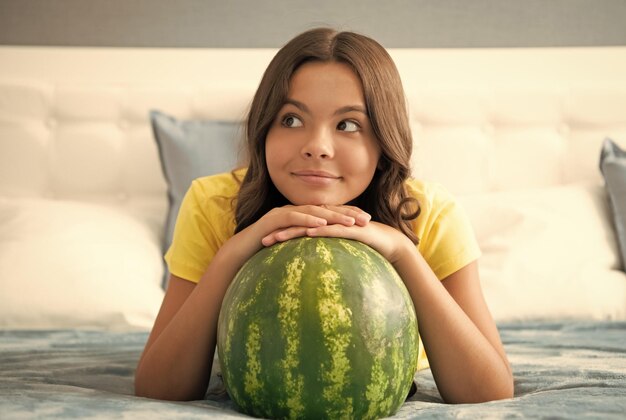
[548, 253]
[613, 167]
[67, 264]
[189, 150]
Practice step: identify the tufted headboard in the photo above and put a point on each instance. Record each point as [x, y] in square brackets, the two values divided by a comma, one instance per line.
[74, 122]
[515, 133]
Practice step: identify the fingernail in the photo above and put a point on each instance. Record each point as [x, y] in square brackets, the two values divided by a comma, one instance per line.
[349, 220]
[321, 222]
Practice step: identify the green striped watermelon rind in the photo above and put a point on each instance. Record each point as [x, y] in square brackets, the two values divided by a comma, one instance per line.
[289, 357]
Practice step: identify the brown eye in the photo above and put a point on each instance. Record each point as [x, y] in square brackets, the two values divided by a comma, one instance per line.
[349, 126]
[291, 121]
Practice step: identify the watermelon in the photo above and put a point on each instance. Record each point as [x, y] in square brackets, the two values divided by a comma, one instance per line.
[317, 328]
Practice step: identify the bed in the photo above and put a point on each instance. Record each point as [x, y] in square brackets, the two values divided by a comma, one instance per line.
[92, 142]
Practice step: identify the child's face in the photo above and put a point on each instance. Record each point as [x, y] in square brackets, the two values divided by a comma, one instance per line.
[321, 149]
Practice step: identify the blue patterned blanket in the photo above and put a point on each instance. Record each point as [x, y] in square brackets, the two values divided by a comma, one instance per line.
[568, 369]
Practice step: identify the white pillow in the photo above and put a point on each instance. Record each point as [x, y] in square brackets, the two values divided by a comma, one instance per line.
[67, 264]
[548, 253]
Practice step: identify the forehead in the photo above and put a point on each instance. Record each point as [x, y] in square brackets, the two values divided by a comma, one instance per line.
[331, 78]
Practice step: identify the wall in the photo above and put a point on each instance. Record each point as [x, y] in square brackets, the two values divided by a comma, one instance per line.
[250, 24]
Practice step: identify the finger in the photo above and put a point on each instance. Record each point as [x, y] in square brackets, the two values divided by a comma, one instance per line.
[282, 235]
[297, 217]
[360, 217]
[336, 231]
[331, 214]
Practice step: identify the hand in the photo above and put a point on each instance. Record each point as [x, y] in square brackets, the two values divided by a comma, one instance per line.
[284, 223]
[293, 221]
[389, 242]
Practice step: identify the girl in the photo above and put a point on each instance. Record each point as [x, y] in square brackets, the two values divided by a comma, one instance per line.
[329, 149]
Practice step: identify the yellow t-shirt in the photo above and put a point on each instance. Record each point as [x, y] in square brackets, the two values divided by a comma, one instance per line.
[206, 220]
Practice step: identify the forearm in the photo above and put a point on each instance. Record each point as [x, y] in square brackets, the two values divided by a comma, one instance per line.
[177, 365]
[465, 364]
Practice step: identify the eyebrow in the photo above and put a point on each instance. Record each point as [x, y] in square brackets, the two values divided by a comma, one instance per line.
[342, 110]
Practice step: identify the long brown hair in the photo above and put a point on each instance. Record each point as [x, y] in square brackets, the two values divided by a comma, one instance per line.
[385, 199]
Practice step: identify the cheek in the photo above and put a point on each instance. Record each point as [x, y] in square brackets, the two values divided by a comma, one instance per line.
[363, 159]
[272, 149]
[277, 155]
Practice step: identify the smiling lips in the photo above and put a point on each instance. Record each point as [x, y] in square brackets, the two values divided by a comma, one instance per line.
[316, 177]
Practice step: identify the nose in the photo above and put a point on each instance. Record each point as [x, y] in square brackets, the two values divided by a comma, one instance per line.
[318, 146]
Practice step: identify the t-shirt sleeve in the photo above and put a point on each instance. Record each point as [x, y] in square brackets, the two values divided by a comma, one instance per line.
[448, 242]
[195, 240]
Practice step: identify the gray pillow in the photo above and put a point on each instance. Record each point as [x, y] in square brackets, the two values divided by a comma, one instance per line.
[189, 150]
[613, 167]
